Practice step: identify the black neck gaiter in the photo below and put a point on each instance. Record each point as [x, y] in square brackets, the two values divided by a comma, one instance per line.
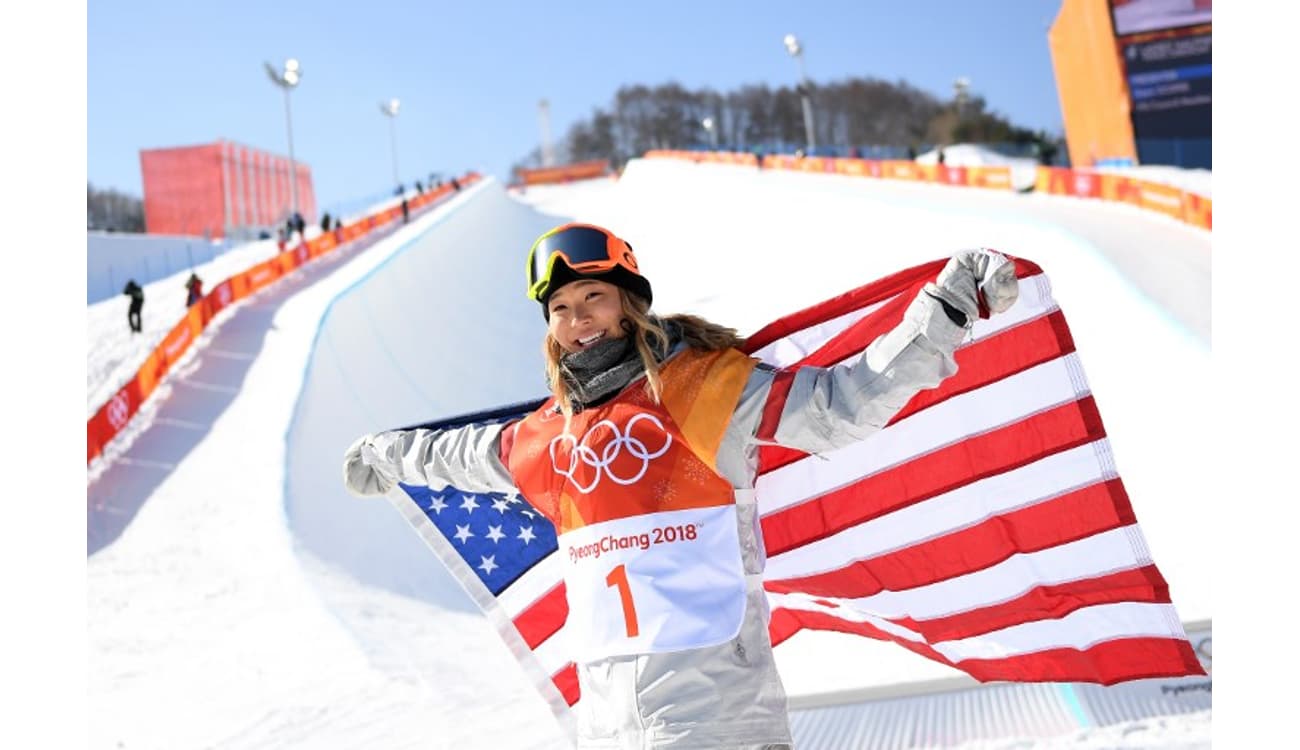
[595, 374]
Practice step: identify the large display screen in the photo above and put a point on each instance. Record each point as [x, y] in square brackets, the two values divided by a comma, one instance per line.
[1136, 16]
[1170, 85]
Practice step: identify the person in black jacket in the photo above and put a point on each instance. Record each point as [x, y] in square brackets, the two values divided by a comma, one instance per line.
[136, 294]
[193, 289]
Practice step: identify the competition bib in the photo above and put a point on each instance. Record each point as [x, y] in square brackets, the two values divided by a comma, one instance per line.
[658, 582]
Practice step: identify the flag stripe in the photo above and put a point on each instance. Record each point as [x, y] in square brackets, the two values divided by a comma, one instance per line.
[567, 682]
[1007, 353]
[775, 404]
[1107, 663]
[1079, 514]
[952, 511]
[1144, 584]
[1011, 400]
[1079, 629]
[1099, 555]
[546, 615]
[999, 450]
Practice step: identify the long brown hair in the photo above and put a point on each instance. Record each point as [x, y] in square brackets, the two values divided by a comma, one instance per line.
[648, 335]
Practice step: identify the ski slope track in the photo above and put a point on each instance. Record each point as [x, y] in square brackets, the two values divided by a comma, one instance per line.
[238, 597]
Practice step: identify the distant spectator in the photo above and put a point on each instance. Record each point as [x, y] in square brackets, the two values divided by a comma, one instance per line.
[193, 289]
[406, 211]
[940, 156]
[300, 225]
[401, 189]
[911, 152]
[325, 222]
[282, 237]
[455, 184]
[419, 188]
[136, 294]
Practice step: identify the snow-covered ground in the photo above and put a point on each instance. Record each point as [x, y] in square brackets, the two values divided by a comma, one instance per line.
[213, 623]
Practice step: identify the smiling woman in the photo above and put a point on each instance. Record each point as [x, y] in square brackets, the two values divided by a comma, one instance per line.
[653, 430]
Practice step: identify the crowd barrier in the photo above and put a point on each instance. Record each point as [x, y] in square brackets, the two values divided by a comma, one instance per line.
[565, 173]
[112, 417]
[1185, 206]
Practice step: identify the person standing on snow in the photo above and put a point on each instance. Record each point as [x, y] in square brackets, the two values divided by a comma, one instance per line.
[136, 294]
[666, 660]
[193, 289]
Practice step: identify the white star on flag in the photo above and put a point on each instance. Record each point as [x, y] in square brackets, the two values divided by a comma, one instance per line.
[489, 564]
[526, 534]
[436, 504]
[463, 532]
[469, 505]
[500, 505]
[494, 533]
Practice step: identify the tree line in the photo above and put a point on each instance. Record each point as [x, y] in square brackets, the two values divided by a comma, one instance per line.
[113, 211]
[869, 115]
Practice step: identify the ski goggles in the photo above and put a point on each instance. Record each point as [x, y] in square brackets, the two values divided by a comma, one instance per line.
[583, 248]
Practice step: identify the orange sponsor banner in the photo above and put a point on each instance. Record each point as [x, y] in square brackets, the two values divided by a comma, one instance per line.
[111, 418]
[893, 169]
[1163, 198]
[1197, 210]
[565, 173]
[952, 175]
[998, 178]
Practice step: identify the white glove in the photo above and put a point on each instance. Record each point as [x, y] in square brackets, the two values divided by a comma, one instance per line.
[360, 475]
[975, 276]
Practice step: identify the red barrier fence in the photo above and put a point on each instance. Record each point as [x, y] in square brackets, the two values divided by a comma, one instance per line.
[112, 417]
[1185, 206]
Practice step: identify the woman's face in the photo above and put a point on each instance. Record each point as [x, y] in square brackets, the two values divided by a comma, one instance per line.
[585, 312]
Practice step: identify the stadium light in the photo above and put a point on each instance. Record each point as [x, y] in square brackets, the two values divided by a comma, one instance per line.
[795, 49]
[712, 127]
[960, 87]
[390, 108]
[288, 79]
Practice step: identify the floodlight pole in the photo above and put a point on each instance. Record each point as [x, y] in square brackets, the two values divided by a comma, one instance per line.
[795, 49]
[390, 109]
[287, 79]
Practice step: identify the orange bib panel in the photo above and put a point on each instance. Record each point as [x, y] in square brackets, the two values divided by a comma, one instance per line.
[647, 528]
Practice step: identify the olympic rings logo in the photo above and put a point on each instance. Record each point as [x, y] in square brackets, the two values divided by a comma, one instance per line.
[118, 410]
[581, 452]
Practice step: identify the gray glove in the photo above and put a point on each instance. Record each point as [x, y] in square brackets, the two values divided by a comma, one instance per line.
[359, 473]
[975, 276]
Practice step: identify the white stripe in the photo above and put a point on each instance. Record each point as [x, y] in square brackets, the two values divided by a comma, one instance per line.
[1100, 554]
[1034, 300]
[1079, 629]
[545, 575]
[799, 344]
[1000, 403]
[554, 653]
[952, 511]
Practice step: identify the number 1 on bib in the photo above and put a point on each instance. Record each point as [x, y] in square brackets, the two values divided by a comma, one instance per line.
[618, 577]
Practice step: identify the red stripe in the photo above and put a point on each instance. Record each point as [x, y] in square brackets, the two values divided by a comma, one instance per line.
[772, 409]
[942, 470]
[1066, 518]
[566, 680]
[999, 356]
[1106, 663]
[855, 299]
[543, 617]
[863, 296]
[1047, 602]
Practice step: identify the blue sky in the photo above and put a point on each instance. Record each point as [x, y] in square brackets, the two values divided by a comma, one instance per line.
[470, 74]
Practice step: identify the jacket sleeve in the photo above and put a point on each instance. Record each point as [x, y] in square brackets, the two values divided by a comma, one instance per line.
[466, 457]
[819, 409]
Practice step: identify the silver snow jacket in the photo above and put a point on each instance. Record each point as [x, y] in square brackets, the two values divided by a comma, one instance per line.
[727, 696]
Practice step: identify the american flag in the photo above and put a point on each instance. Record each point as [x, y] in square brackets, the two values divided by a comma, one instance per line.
[985, 527]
